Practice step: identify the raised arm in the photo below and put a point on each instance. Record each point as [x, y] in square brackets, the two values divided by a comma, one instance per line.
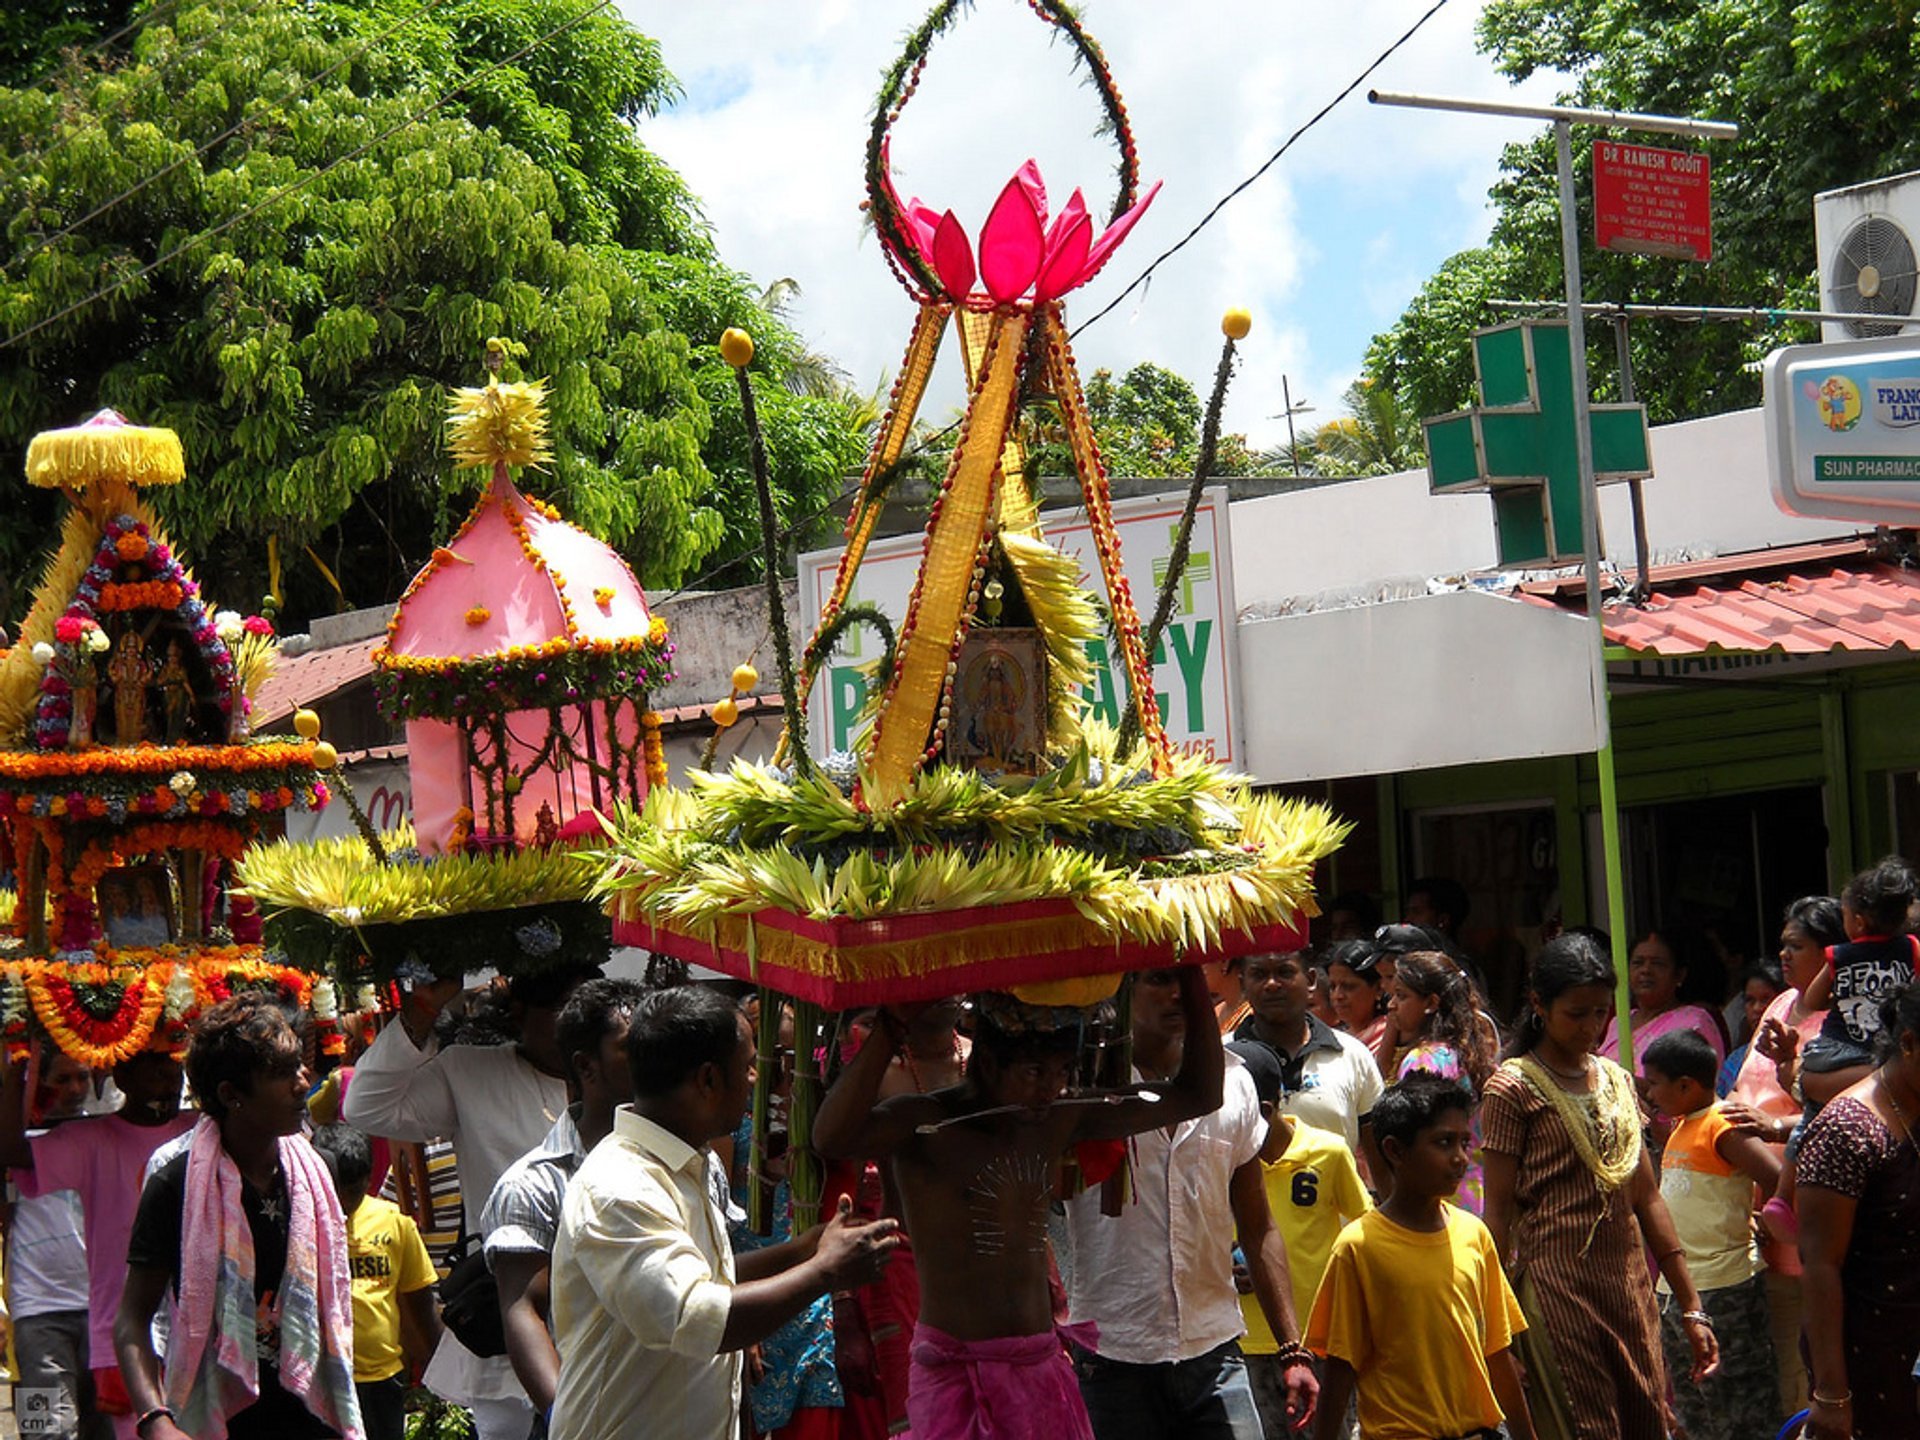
[1197, 1089]
[1752, 1157]
[400, 1089]
[853, 1122]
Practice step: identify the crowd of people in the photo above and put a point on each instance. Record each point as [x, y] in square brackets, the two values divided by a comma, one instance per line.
[1335, 1195]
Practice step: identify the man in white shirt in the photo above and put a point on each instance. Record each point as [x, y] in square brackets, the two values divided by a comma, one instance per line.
[1331, 1079]
[1158, 1278]
[650, 1314]
[522, 1217]
[494, 1103]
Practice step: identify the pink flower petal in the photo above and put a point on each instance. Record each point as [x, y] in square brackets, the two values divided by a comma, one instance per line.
[922, 221]
[953, 257]
[1029, 177]
[1116, 232]
[1061, 270]
[1010, 243]
[1075, 207]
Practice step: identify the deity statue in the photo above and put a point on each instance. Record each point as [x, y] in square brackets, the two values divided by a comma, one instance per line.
[546, 829]
[176, 694]
[129, 670]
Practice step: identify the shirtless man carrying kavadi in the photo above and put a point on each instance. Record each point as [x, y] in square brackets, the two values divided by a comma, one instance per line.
[976, 1166]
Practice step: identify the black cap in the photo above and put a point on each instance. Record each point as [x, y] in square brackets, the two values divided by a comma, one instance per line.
[1263, 1068]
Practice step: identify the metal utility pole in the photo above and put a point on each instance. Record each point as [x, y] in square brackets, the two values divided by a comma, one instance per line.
[1563, 118]
[1293, 444]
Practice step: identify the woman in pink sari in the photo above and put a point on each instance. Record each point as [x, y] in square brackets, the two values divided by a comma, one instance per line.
[1655, 974]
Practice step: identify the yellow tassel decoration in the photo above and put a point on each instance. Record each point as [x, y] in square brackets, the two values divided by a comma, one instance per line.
[499, 423]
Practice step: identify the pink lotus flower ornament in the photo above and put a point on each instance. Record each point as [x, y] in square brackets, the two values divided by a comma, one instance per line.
[1021, 255]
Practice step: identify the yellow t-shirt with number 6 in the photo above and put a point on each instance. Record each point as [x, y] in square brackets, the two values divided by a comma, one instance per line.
[1314, 1191]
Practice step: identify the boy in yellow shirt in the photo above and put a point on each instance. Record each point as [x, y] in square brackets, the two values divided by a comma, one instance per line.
[1414, 1307]
[395, 1327]
[1314, 1191]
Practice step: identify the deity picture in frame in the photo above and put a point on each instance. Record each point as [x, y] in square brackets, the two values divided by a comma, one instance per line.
[999, 720]
[137, 910]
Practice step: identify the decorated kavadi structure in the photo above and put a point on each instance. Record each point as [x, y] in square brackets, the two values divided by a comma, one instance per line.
[129, 784]
[519, 658]
[983, 837]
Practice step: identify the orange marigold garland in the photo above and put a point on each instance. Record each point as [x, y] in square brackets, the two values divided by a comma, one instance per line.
[69, 1008]
[107, 1008]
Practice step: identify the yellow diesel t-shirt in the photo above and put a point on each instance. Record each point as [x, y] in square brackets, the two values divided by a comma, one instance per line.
[387, 1259]
[1314, 1191]
[1416, 1315]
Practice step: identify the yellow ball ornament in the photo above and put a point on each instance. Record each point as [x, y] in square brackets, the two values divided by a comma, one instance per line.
[1236, 323]
[325, 757]
[306, 724]
[745, 677]
[725, 713]
[736, 347]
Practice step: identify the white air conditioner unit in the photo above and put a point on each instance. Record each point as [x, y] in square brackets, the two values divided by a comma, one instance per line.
[1867, 237]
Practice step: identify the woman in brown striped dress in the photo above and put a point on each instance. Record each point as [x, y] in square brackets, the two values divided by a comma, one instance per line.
[1573, 1204]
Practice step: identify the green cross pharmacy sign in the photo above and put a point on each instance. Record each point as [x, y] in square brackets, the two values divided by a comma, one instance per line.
[1518, 443]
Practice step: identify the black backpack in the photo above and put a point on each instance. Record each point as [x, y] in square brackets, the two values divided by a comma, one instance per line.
[470, 1300]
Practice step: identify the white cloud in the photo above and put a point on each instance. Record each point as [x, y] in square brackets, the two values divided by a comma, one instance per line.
[773, 130]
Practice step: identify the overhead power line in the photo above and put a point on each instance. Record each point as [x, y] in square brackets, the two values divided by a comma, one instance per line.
[1271, 161]
[104, 206]
[40, 157]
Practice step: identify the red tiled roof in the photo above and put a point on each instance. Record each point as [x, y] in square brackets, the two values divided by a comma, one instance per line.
[302, 679]
[1803, 600]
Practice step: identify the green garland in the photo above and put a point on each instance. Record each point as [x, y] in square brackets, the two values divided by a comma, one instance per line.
[903, 78]
[501, 685]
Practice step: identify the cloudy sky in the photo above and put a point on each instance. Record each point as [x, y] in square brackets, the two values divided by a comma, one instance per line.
[1325, 249]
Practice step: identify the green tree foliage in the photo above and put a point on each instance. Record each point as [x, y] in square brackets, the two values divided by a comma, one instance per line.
[303, 352]
[1823, 92]
[1148, 425]
[34, 33]
[1378, 435]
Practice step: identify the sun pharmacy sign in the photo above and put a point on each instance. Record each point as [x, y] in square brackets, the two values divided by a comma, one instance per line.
[1843, 430]
[1193, 668]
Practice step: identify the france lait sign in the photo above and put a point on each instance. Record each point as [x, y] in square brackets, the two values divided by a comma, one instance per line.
[1843, 430]
[1648, 201]
[1193, 669]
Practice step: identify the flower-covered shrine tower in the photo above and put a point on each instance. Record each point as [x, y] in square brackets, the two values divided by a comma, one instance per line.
[128, 781]
[520, 659]
[521, 655]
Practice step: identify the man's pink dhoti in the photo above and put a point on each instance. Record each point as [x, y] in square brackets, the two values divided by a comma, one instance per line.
[1019, 1387]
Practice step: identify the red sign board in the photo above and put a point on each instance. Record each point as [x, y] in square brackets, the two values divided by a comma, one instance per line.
[1651, 202]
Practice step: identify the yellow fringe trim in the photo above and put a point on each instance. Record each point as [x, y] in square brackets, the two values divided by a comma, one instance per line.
[893, 958]
[82, 455]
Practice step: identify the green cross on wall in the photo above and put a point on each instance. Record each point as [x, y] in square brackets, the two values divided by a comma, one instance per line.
[1199, 567]
[1518, 443]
